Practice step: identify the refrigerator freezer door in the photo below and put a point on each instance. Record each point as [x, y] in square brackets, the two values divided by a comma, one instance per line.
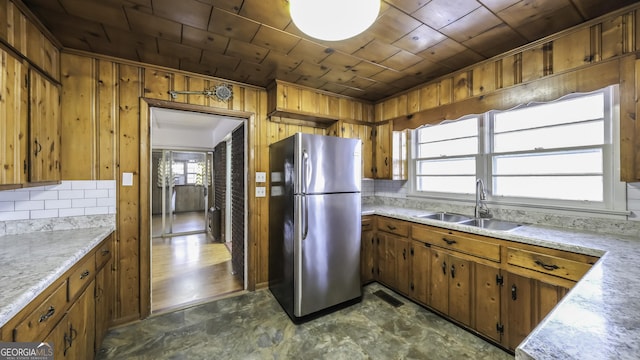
[327, 261]
[328, 164]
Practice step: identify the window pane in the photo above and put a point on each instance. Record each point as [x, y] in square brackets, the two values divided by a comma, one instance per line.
[466, 166]
[587, 161]
[450, 184]
[450, 130]
[551, 187]
[582, 134]
[193, 167]
[562, 112]
[191, 178]
[178, 168]
[448, 148]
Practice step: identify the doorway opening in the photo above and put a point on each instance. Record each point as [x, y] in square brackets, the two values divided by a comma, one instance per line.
[192, 251]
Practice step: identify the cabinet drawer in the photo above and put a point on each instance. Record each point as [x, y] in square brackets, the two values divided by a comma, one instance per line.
[367, 223]
[103, 253]
[41, 320]
[461, 242]
[82, 275]
[393, 226]
[548, 264]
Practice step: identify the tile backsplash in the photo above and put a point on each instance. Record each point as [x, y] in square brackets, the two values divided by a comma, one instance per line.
[69, 198]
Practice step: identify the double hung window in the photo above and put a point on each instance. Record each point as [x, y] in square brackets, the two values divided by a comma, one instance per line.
[556, 154]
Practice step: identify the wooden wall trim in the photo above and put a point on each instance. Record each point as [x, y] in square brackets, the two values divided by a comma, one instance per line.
[34, 19]
[587, 79]
[157, 67]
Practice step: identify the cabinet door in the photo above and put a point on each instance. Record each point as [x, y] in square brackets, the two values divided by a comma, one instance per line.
[81, 319]
[382, 168]
[14, 108]
[58, 339]
[420, 268]
[44, 132]
[518, 319]
[546, 298]
[367, 269]
[487, 301]
[403, 265]
[439, 284]
[104, 302]
[387, 259]
[460, 290]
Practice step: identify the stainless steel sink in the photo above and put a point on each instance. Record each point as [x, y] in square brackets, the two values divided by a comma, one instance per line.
[492, 224]
[444, 216]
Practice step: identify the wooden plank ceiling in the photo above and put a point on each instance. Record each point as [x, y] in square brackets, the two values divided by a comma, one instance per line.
[254, 41]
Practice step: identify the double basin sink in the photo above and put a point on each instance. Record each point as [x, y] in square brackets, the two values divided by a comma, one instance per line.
[490, 224]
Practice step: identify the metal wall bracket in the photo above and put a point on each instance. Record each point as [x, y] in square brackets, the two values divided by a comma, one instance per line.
[222, 92]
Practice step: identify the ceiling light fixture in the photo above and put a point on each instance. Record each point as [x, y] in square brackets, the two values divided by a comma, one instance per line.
[333, 20]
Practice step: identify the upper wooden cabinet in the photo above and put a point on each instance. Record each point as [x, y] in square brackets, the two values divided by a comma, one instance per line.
[44, 129]
[297, 102]
[14, 107]
[390, 153]
[29, 125]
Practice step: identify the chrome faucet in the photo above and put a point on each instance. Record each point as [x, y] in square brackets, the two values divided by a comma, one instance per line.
[481, 210]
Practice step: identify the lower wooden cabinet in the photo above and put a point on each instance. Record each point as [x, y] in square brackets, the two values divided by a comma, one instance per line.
[74, 313]
[104, 301]
[500, 289]
[487, 300]
[420, 271]
[450, 286]
[368, 251]
[527, 302]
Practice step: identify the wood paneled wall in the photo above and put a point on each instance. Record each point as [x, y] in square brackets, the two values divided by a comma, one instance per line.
[101, 115]
[589, 57]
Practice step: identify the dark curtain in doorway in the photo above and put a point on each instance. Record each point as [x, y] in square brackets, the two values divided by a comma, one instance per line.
[220, 183]
[237, 201]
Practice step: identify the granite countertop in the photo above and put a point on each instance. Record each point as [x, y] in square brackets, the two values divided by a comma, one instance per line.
[29, 263]
[600, 317]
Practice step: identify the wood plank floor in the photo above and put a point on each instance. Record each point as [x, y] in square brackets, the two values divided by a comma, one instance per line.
[188, 270]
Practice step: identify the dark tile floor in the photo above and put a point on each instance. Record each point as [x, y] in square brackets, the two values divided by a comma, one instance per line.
[254, 326]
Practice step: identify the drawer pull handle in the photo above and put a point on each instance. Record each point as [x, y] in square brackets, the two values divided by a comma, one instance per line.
[391, 227]
[448, 241]
[84, 274]
[105, 252]
[546, 266]
[48, 314]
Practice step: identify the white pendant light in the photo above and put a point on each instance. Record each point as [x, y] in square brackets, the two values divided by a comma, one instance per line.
[333, 20]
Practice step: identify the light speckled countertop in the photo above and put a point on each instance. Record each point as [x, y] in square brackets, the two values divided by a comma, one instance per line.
[29, 263]
[600, 317]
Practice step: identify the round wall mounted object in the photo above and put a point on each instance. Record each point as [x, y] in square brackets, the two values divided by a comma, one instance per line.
[223, 92]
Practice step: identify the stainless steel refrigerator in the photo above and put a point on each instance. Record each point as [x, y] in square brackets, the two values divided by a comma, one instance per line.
[314, 224]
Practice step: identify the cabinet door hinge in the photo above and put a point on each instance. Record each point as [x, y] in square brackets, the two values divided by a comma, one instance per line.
[412, 287]
[412, 251]
[500, 328]
[499, 280]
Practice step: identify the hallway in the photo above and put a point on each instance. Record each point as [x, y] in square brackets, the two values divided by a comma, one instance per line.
[189, 269]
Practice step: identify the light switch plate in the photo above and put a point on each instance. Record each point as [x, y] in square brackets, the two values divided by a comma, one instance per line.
[261, 177]
[261, 191]
[127, 179]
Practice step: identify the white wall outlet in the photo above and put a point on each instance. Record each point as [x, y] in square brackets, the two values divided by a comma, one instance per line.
[261, 177]
[127, 179]
[261, 191]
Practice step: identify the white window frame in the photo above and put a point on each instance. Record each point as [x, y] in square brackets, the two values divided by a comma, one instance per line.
[614, 191]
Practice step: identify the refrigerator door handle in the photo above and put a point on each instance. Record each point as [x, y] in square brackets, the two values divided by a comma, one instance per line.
[305, 210]
[305, 217]
[305, 170]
